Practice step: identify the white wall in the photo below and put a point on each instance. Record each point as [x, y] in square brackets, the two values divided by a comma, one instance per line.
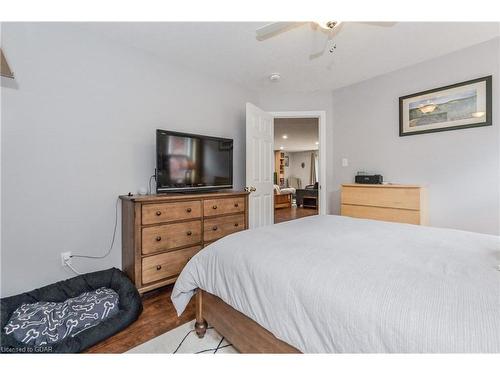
[461, 168]
[296, 170]
[79, 130]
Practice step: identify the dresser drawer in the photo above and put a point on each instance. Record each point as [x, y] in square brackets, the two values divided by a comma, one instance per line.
[165, 212]
[406, 198]
[212, 207]
[169, 236]
[216, 228]
[166, 265]
[381, 213]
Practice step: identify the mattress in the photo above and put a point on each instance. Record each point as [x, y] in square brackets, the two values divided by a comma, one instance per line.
[332, 284]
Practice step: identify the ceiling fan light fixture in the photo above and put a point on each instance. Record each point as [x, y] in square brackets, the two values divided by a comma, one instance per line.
[328, 25]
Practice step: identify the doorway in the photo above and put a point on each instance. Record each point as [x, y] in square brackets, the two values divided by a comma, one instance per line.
[260, 160]
[296, 175]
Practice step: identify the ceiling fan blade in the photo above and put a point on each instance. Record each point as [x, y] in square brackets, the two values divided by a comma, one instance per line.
[331, 35]
[321, 51]
[275, 28]
[382, 24]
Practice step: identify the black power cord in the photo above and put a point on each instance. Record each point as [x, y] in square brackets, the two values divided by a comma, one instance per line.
[112, 239]
[184, 339]
[215, 350]
[218, 346]
[68, 264]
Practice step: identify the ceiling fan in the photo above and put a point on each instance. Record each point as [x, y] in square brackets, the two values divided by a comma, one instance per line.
[331, 28]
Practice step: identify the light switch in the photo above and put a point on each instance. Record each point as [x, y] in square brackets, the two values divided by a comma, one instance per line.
[345, 162]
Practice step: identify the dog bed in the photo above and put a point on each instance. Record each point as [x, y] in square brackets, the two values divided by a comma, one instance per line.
[95, 294]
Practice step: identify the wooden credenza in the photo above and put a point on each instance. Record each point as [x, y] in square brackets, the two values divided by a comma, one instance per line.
[160, 233]
[397, 203]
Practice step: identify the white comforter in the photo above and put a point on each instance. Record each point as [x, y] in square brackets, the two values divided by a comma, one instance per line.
[337, 284]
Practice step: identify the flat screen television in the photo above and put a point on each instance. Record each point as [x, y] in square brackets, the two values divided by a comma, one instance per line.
[190, 162]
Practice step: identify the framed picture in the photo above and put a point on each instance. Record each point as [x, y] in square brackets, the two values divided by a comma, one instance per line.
[4, 67]
[463, 105]
[287, 161]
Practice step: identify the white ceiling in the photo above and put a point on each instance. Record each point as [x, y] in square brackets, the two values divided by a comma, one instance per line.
[302, 134]
[230, 51]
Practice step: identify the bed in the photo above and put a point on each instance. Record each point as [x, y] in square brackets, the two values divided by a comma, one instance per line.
[332, 284]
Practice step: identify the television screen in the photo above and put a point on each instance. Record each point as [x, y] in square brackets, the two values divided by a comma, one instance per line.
[192, 162]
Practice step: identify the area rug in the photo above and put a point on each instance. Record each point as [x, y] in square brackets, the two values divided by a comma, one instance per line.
[183, 339]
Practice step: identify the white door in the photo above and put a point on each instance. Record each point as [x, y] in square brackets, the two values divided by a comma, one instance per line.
[259, 165]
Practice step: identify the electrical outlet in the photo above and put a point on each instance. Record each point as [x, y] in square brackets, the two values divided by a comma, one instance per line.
[345, 162]
[65, 258]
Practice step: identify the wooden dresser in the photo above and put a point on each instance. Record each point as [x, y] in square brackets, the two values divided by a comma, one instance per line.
[398, 203]
[160, 233]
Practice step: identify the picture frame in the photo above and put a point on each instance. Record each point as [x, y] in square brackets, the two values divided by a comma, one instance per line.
[4, 67]
[463, 105]
[287, 161]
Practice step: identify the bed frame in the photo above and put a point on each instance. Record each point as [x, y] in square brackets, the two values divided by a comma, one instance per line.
[246, 335]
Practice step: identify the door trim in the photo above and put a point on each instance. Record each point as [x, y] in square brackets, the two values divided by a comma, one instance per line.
[321, 116]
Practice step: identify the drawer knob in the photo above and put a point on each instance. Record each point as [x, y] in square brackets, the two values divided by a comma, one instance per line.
[214, 227]
[189, 233]
[158, 267]
[188, 209]
[236, 224]
[158, 213]
[158, 238]
[236, 205]
[214, 206]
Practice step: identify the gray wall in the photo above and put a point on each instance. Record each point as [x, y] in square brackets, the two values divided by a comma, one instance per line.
[79, 130]
[461, 169]
[295, 169]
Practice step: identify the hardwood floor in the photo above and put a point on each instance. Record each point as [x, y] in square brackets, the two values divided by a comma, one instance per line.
[158, 317]
[286, 214]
